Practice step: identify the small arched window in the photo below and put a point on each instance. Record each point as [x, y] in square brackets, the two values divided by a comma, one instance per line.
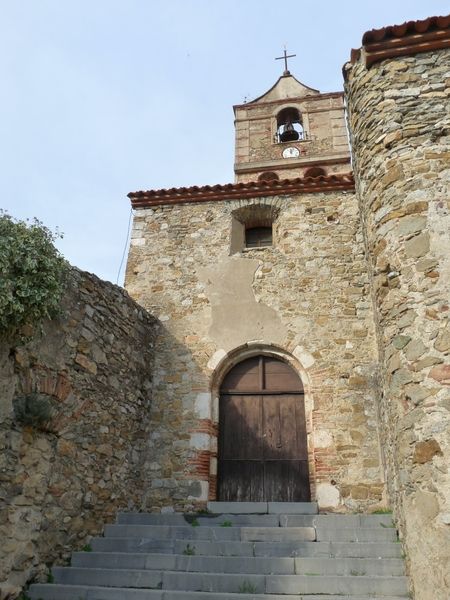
[314, 172]
[289, 125]
[268, 176]
[252, 227]
[258, 237]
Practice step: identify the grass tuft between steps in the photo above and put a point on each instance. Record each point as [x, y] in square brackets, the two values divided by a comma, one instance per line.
[247, 587]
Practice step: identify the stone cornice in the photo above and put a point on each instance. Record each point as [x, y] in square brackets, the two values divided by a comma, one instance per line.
[236, 191]
[310, 161]
[302, 99]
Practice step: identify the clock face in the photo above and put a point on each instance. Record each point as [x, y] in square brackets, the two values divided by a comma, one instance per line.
[291, 152]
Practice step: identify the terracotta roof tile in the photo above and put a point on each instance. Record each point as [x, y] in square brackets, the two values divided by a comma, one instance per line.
[407, 39]
[232, 191]
[409, 28]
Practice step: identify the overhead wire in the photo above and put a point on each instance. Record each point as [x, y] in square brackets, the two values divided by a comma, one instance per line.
[125, 247]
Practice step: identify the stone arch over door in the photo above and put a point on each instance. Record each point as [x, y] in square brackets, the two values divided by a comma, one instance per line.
[290, 402]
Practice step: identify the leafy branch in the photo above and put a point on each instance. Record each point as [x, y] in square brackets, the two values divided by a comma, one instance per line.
[32, 274]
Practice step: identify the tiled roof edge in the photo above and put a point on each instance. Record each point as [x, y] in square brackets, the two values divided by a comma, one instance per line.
[231, 191]
[406, 29]
[407, 39]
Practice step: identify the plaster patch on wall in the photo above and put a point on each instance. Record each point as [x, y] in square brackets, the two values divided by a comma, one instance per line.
[202, 406]
[200, 441]
[215, 410]
[305, 357]
[236, 316]
[199, 490]
[323, 439]
[138, 241]
[327, 496]
[426, 504]
[216, 358]
[302, 325]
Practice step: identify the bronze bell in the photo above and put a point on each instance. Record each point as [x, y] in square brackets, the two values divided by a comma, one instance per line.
[289, 134]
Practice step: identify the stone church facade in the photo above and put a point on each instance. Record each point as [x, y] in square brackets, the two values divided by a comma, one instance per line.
[342, 276]
[303, 297]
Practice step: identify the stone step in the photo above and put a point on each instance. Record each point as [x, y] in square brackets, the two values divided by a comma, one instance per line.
[136, 545]
[266, 520]
[236, 548]
[298, 508]
[230, 582]
[338, 521]
[254, 534]
[235, 564]
[356, 534]
[82, 592]
[243, 534]
[326, 584]
[201, 519]
[268, 551]
[177, 562]
[136, 518]
[353, 567]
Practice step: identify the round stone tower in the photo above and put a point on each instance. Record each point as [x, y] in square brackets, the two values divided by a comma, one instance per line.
[398, 90]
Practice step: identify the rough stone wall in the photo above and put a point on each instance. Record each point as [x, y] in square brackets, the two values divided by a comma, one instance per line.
[306, 297]
[60, 485]
[399, 117]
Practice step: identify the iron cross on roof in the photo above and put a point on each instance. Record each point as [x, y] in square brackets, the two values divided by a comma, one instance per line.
[285, 57]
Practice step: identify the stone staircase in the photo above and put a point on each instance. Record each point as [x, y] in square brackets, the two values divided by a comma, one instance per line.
[262, 550]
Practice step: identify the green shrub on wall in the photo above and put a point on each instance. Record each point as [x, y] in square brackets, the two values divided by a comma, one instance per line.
[31, 274]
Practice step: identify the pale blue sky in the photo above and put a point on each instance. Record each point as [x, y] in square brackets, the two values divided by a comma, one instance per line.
[103, 97]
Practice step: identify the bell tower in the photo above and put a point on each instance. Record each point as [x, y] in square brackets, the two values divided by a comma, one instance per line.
[290, 131]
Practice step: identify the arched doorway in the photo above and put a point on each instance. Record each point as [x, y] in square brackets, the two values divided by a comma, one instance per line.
[263, 453]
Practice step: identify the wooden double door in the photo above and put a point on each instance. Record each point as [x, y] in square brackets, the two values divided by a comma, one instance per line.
[263, 454]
